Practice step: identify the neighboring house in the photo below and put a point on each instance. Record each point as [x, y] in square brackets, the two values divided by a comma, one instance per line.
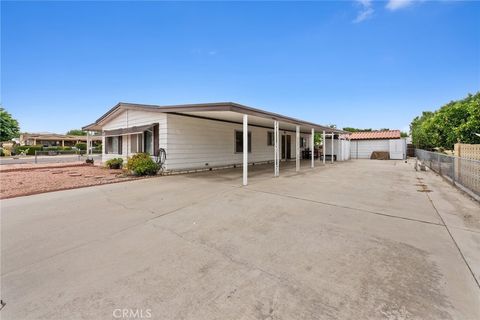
[48, 139]
[199, 136]
[363, 143]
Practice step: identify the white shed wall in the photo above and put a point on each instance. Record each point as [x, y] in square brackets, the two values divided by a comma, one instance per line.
[362, 149]
[341, 148]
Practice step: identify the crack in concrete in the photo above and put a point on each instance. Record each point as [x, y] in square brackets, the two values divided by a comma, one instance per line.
[344, 207]
[245, 264]
[110, 235]
[453, 239]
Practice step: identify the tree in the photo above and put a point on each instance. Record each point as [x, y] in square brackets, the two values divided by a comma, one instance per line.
[77, 132]
[350, 129]
[457, 121]
[9, 127]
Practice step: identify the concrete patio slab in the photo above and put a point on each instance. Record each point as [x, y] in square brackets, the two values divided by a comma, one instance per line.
[349, 240]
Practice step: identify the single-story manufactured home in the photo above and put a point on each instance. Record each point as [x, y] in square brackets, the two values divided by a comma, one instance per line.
[210, 135]
[364, 143]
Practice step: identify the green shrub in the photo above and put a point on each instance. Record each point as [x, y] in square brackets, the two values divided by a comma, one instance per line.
[52, 148]
[81, 146]
[2, 154]
[142, 164]
[30, 150]
[115, 163]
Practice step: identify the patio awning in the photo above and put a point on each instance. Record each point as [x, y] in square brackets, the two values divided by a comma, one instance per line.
[127, 131]
[222, 111]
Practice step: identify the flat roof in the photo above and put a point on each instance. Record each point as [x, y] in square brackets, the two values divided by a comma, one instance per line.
[215, 111]
[55, 136]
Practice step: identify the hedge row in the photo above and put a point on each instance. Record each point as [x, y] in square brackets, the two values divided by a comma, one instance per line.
[30, 150]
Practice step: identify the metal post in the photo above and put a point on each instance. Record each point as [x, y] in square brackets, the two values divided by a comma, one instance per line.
[88, 143]
[276, 149]
[331, 158]
[297, 149]
[439, 164]
[312, 145]
[323, 146]
[245, 149]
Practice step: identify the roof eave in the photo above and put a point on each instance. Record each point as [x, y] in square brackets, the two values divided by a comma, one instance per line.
[216, 106]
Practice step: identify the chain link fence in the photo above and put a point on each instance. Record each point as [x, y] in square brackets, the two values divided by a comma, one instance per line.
[460, 171]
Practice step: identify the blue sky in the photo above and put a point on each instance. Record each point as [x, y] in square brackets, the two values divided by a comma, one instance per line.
[359, 63]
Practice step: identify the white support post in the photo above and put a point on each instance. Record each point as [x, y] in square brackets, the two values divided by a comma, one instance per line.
[331, 157]
[297, 149]
[324, 145]
[312, 147]
[88, 143]
[245, 149]
[276, 149]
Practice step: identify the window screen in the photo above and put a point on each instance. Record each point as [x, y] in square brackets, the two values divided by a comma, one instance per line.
[239, 141]
[269, 138]
[114, 145]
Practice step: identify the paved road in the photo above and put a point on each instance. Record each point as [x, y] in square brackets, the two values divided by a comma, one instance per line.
[353, 240]
[47, 159]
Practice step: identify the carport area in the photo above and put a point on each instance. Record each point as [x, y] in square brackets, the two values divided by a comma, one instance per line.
[349, 240]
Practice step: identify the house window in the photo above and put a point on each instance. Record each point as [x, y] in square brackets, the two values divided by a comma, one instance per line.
[113, 145]
[239, 141]
[269, 138]
[303, 142]
[148, 141]
[136, 143]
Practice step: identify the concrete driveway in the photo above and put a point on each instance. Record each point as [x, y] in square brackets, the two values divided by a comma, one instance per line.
[353, 240]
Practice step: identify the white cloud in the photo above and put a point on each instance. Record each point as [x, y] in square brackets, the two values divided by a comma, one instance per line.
[365, 3]
[398, 4]
[365, 12]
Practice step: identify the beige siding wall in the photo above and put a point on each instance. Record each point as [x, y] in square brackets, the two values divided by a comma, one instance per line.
[132, 118]
[193, 143]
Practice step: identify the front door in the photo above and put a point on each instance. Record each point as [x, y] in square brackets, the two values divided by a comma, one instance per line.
[286, 147]
[289, 147]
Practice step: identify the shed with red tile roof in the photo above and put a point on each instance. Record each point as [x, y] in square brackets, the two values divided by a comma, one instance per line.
[364, 143]
[375, 135]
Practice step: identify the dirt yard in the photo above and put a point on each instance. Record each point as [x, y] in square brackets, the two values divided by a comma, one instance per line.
[29, 180]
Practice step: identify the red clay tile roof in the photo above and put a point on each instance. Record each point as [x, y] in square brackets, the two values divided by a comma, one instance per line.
[368, 135]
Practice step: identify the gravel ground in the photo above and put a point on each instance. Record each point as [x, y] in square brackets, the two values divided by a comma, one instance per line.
[38, 180]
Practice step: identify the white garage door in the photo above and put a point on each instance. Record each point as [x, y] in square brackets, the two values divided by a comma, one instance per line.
[397, 149]
[362, 149]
